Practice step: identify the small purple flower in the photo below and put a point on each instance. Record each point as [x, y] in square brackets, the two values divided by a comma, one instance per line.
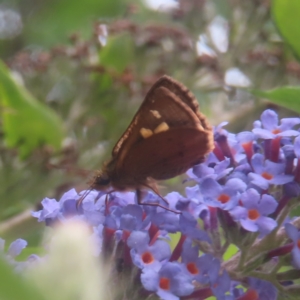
[297, 153]
[154, 199]
[252, 214]
[190, 228]
[196, 206]
[246, 139]
[132, 218]
[174, 199]
[166, 220]
[264, 289]
[50, 211]
[68, 202]
[219, 128]
[200, 171]
[16, 247]
[218, 171]
[92, 208]
[146, 255]
[122, 198]
[294, 235]
[267, 172]
[14, 250]
[225, 197]
[169, 283]
[297, 146]
[221, 286]
[204, 269]
[271, 129]
[58, 210]
[236, 148]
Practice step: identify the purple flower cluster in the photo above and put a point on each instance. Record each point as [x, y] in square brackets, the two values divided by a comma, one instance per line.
[14, 250]
[243, 194]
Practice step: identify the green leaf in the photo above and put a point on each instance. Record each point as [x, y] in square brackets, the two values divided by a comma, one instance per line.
[286, 14]
[223, 8]
[14, 287]
[51, 22]
[287, 96]
[27, 123]
[295, 212]
[118, 52]
[231, 250]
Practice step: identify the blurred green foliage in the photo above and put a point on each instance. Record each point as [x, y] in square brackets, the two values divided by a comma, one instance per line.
[15, 287]
[22, 114]
[287, 96]
[92, 63]
[286, 16]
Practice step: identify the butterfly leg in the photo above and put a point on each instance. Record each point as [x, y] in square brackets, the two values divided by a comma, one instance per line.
[152, 186]
[140, 194]
[80, 200]
[106, 201]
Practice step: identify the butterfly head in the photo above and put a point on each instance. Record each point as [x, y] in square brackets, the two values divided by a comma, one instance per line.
[103, 178]
[101, 181]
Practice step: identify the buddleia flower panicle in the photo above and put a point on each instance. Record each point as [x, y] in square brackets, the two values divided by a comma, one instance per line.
[234, 231]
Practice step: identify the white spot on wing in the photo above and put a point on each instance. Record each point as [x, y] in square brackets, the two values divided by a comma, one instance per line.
[161, 127]
[145, 133]
[156, 114]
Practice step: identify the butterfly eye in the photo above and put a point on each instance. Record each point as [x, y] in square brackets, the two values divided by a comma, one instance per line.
[102, 180]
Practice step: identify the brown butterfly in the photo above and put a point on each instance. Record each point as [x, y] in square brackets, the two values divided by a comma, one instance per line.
[167, 136]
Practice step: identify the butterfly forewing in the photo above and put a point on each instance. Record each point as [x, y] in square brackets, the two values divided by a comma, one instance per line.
[167, 136]
[144, 116]
[163, 111]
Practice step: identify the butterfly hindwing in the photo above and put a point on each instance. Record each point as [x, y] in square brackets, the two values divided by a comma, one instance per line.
[169, 154]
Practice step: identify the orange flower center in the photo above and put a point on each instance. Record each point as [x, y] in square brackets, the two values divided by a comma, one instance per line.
[192, 268]
[253, 214]
[247, 146]
[267, 175]
[164, 283]
[250, 295]
[223, 198]
[147, 258]
[275, 131]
